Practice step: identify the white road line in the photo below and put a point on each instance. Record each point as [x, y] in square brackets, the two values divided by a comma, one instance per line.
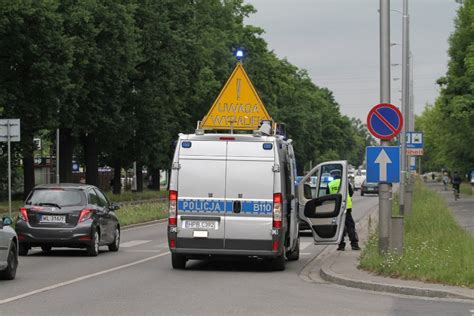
[82, 278]
[305, 244]
[133, 243]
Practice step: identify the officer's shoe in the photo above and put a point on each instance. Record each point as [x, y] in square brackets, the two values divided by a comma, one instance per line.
[355, 247]
[341, 247]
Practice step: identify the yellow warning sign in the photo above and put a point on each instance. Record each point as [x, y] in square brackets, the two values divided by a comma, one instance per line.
[238, 105]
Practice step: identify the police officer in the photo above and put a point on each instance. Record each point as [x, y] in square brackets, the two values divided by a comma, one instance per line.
[349, 227]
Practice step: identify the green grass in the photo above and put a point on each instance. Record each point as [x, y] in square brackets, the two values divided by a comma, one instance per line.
[133, 214]
[133, 196]
[436, 248]
[466, 188]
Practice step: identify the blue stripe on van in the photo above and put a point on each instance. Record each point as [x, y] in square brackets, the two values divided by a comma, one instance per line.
[220, 206]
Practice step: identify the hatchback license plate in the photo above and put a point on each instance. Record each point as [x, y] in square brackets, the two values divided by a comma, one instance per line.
[53, 219]
[213, 225]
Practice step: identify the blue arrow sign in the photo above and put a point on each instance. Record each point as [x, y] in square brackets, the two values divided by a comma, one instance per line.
[383, 164]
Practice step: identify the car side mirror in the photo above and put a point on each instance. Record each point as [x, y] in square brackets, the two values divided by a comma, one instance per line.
[327, 206]
[114, 206]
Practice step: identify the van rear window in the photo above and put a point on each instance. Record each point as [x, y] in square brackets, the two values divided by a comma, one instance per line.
[59, 197]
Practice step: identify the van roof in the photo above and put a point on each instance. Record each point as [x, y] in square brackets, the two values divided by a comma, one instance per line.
[234, 137]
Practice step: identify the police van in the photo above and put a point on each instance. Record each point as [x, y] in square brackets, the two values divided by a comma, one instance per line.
[233, 195]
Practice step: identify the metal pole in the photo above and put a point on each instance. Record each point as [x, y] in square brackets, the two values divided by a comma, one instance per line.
[57, 155]
[134, 179]
[405, 107]
[385, 194]
[411, 128]
[9, 171]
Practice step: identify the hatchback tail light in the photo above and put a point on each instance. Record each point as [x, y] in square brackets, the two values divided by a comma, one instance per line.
[173, 211]
[85, 215]
[23, 215]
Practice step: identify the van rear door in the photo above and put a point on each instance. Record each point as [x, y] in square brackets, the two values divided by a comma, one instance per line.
[249, 196]
[201, 194]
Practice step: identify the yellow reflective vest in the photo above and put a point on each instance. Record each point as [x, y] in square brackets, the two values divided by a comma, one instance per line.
[334, 188]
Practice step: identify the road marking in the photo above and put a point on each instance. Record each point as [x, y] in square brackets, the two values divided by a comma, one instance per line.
[82, 278]
[305, 253]
[133, 243]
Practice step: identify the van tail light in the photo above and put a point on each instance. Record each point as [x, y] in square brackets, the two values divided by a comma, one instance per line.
[277, 211]
[85, 215]
[173, 213]
[23, 215]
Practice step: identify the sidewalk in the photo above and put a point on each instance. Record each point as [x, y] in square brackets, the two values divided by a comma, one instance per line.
[341, 267]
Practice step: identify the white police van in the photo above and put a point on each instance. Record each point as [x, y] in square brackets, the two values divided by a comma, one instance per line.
[235, 195]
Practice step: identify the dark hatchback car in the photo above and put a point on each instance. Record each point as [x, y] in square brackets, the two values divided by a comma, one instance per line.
[67, 215]
[369, 188]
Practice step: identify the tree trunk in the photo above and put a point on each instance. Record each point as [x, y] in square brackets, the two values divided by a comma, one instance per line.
[28, 162]
[66, 148]
[117, 185]
[139, 177]
[90, 157]
[155, 179]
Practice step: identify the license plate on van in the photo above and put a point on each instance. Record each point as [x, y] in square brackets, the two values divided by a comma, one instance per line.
[196, 224]
[53, 219]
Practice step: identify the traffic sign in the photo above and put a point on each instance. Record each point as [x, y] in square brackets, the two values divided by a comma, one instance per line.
[383, 164]
[414, 140]
[414, 152]
[384, 121]
[238, 105]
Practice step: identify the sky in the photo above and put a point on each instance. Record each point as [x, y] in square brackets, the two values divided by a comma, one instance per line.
[337, 42]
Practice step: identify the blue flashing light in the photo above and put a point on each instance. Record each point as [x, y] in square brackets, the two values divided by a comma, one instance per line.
[239, 54]
[267, 146]
[186, 144]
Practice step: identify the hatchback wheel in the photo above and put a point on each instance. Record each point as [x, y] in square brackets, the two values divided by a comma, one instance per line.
[12, 263]
[114, 246]
[93, 248]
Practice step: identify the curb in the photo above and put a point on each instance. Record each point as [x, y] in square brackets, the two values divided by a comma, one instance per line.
[149, 223]
[327, 274]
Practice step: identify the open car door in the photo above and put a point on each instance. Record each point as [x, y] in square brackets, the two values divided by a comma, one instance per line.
[323, 210]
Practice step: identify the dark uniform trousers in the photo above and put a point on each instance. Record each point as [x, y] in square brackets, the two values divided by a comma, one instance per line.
[349, 229]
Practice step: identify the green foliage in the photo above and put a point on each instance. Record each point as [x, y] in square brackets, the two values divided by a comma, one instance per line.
[133, 74]
[449, 124]
[436, 248]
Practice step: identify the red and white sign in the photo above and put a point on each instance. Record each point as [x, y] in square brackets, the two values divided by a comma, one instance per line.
[414, 151]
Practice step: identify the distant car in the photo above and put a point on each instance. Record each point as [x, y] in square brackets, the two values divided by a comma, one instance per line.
[369, 187]
[67, 215]
[8, 250]
[358, 180]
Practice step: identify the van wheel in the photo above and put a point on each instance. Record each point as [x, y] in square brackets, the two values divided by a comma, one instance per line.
[278, 263]
[178, 261]
[295, 254]
[46, 248]
[23, 250]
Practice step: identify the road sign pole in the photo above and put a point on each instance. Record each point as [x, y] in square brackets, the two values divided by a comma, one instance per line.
[385, 189]
[9, 171]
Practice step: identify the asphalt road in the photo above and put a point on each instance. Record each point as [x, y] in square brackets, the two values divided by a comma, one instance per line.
[139, 280]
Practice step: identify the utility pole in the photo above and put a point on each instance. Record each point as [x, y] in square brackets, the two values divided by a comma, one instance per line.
[405, 107]
[385, 189]
[411, 128]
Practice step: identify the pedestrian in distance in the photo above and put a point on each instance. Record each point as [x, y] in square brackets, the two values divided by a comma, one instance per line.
[456, 182]
[349, 225]
[445, 181]
[82, 180]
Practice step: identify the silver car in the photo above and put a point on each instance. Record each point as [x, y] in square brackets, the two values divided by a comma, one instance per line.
[8, 250]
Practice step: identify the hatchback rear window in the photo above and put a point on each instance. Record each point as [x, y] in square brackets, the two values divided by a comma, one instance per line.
[57, 197]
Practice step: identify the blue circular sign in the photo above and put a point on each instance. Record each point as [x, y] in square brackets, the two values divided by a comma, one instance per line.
[385, 121]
